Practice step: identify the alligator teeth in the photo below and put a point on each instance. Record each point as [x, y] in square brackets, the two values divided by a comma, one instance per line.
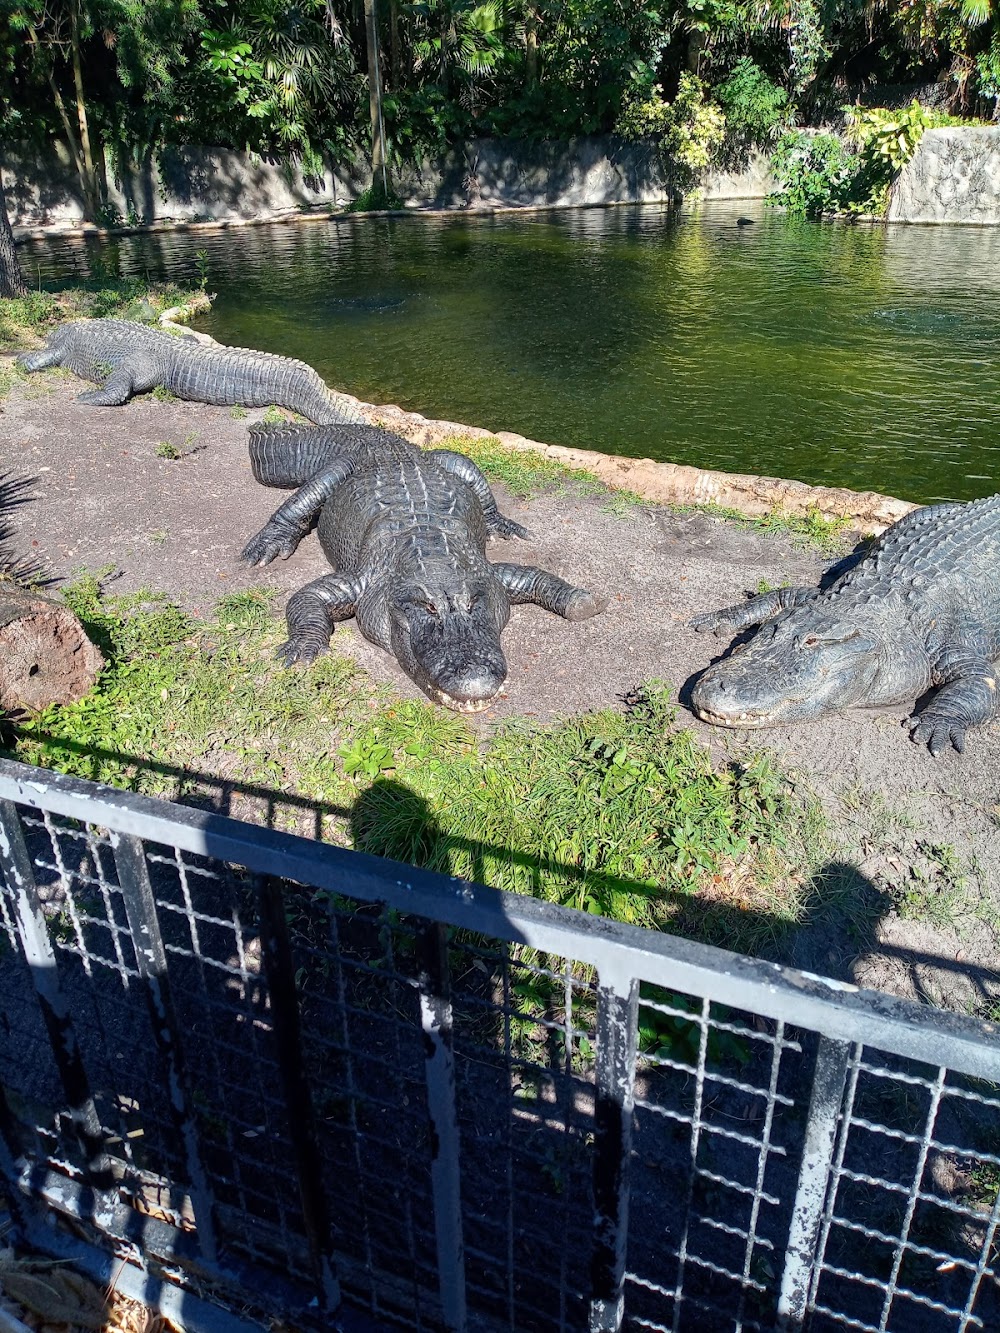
[464, 705]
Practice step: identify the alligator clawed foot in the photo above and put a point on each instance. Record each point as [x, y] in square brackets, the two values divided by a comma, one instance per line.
[268, 546]
[937, 733]
[714, 622]
[299, 650]
[508, 529]
[582, 605]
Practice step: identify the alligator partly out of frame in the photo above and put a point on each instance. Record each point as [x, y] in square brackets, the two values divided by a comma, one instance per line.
[406, 534]
[921, 609]
[124, 358]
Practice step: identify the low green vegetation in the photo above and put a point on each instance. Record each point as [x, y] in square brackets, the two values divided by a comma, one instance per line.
[850, 175]
[525, 473]
[529, 473]
[616, 812]
[25, 321]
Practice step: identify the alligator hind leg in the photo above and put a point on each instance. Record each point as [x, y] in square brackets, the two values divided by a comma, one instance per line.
[288, 456]
[286, 527]
[970, 700]
[525, 583]
[497, 524]
[40, 360]
[312, 613]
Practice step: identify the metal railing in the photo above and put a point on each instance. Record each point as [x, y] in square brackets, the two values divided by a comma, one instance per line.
[261, 1076]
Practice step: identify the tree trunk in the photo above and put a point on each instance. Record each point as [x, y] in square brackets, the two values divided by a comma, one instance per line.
[395, 46]
[87, 183]
[697, 41]
[531, 47]
[380, 179]
[45, 656]
[12, 281]
[91, 187]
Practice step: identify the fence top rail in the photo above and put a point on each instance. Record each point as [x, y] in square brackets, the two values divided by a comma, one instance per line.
[619, 952]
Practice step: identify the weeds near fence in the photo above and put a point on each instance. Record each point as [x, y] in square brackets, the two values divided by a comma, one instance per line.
[620, 813]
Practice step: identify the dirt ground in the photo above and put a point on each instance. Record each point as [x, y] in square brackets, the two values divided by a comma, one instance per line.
[918, 839]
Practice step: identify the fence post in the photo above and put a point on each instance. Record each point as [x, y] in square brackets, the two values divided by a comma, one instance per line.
[15, 862]
[279, 970]
[151, 961]
[829, 1079]
[617, 1039]
[437, 1023]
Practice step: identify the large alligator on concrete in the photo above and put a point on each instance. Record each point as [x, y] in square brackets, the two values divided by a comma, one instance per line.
[406, 534]
[124, 358]
[920, 610]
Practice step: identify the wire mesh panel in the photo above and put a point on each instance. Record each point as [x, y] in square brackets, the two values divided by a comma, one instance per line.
[324, 1087]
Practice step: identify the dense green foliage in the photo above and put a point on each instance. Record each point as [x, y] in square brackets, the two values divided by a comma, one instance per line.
[117, 80]
[821, 173]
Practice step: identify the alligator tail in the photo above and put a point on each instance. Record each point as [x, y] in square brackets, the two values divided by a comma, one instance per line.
[289, 456]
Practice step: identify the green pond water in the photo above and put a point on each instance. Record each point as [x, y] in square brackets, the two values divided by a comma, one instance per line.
[855, 356]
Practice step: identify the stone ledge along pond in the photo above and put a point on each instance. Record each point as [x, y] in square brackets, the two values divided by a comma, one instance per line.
[860, 356]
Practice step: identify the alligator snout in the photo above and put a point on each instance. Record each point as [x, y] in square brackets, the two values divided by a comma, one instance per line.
[473, 688]
[716, 699]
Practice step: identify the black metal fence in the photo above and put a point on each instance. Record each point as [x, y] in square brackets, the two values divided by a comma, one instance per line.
[258, 1077]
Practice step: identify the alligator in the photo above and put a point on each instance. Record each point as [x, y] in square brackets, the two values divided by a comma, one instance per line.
[124, 358]
[405, 531]
[921, 609]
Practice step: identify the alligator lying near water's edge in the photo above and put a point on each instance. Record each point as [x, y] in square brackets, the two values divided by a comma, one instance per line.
[406, 533]
[124, 358]
[921, 609]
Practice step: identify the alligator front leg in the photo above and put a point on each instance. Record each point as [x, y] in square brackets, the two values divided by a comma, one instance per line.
[497, 524]
[970, 700]
[312, 613]
[286, 527]
[756, 611]
[525, 583]
[137, 374]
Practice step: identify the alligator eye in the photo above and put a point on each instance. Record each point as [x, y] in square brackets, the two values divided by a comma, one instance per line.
[810, 641]
[429, 606]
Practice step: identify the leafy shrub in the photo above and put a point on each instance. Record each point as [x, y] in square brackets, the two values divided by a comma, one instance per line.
[687, 130]
[755, 107]
[814, 173]
[823, 174]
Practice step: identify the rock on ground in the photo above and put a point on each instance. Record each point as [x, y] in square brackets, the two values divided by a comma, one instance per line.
[918, 870]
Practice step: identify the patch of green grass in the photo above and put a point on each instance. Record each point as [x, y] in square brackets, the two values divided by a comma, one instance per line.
[237, 413]
[24, 321]
[525, 473]
[165, 449]
[935, 889]
[274, 416]
[620, 813]
[162, 394]
[831, 536]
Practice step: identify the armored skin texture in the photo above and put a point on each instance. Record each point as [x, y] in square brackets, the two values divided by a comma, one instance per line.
[405, 532]
[920, 610]
[124, 358]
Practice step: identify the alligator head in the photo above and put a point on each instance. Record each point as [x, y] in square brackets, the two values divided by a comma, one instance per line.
[445, 633]
[800, 666]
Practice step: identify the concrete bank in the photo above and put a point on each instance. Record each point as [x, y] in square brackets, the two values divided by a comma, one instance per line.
[216, 186]
[674, 483]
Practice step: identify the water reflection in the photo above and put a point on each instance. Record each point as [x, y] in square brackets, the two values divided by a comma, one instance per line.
[856, 356]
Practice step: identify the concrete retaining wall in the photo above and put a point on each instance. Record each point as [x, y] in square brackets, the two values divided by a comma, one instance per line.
[216, 185]
[954, 176]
